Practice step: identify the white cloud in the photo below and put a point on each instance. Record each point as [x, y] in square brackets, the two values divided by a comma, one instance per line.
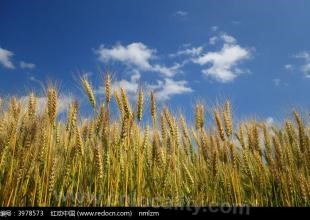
[131, 85]
[137, 56]
[305, 68]
[213, 40]
[181, 13]
[25, 65]
[35, 80]
[221, 65]
[165, 90]
[167, 71]
[228, 39]
[236, 22]
[278, 82]
[224, 63]
[135, 75]
[5, 58]
[303, 55]
[32, 78]
[214, 28]
[185, 45]
[288, 66]
[194, 51]
[224, 37]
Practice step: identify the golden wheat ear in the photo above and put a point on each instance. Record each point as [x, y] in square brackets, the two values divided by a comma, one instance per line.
[88, 90]
[125, 103]
[32, 105]
[140, 103]
[199, 116]
[52, 98]
[153, 108]
[219, 124]
[107, 87]
[228, 119]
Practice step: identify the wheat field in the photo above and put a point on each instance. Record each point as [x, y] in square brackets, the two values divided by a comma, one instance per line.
[171, 161]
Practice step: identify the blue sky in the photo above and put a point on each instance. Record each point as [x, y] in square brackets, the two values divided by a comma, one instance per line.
[257, 53]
